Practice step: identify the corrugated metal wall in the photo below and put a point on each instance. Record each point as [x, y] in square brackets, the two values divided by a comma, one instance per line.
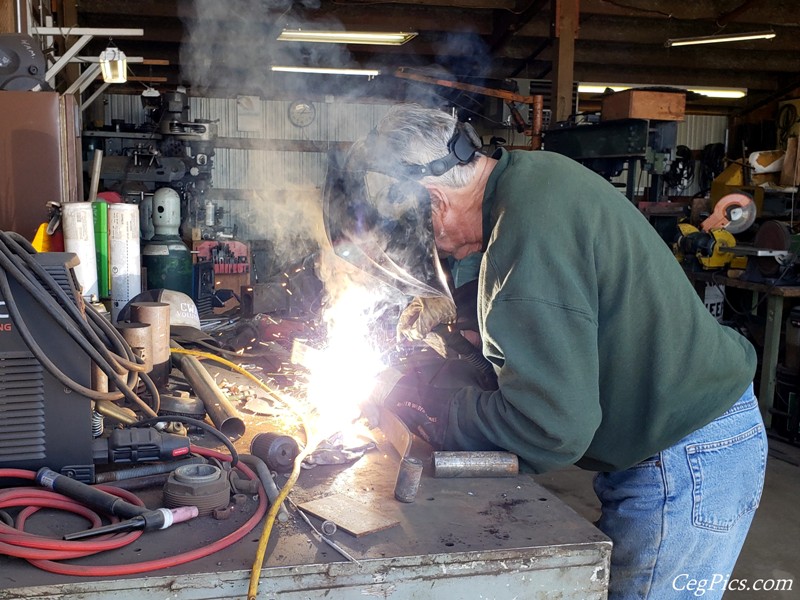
[696, 132]
[255, 187]
[247, 182]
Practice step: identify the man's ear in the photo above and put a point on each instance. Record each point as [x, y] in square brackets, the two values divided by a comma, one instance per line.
[440, 203]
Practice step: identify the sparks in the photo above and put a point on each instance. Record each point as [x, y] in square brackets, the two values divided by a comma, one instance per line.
[342, 375]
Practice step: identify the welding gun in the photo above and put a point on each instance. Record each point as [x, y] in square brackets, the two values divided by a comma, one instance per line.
[138, 517]
[160, 518]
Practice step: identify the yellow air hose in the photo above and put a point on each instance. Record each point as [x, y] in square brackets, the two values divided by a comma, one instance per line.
[311, 444]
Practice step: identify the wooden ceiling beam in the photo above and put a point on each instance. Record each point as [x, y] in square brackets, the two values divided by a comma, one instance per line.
[509, 5]
[672, 58]
[413, 18]
[603, 73]
[765, 12]
[648, 31]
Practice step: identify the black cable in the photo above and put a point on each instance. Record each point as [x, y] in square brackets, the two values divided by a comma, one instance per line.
[195, 423]
[16, 261]
[152, 390]
[50, 306]
[22, 241]
[37, 351]
[61, 300]
[115, 338]
[765, 293]
[11, 259]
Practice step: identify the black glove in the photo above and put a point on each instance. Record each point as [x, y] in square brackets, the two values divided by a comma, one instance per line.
[423, 408]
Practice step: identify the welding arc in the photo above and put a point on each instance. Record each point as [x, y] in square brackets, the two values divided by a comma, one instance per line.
[16, 261]
[43, 552]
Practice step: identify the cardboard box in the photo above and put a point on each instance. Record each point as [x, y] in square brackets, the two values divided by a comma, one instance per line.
[642, 104]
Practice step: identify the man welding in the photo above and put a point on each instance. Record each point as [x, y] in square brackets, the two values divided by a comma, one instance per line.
[604, 355]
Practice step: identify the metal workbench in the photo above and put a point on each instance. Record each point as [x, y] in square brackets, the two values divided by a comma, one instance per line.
[461, 539]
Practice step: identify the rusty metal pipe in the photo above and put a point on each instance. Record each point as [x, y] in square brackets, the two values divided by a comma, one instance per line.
[537, 112]
[219, 408]
[146, 470]
[140, 338]
[156, 314]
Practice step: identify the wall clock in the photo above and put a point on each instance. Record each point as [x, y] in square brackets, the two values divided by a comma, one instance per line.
[302, 113]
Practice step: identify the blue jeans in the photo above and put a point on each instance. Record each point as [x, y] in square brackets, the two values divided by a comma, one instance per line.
[678, 519]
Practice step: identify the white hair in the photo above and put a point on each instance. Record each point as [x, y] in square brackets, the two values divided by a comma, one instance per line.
[420, 135]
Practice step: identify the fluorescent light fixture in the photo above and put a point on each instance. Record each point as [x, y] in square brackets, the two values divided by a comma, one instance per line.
[327, 71]
[383, 38]
[599, 88]
[114, 65]
[716, 39]
[720, 92]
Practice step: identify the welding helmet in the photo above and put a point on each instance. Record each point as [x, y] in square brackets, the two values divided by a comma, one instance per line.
[378, 215]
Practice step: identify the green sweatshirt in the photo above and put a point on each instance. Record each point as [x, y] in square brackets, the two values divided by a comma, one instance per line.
[604, 353]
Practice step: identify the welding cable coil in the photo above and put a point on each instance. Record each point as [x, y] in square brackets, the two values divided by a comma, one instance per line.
[93, 334]
[43, 552]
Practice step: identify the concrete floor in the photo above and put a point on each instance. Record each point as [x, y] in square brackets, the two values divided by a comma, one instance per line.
[772, 548]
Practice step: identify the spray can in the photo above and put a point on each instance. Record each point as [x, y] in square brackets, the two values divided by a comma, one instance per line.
[125, 256]
[211, 214]
[78, 223]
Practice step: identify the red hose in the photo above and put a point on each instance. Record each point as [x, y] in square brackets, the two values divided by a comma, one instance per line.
[42, 552]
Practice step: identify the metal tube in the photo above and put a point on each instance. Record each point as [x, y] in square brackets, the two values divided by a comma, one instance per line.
[536, 125]
[475, 464]
[145, 470]
[156, 314]
[218, 407]
[267, 481]
[116, 412]
[140, 338]
[99, 379]
[97, 165]
[408, 478]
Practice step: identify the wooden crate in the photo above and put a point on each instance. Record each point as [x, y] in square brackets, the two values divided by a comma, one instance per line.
[643, 104]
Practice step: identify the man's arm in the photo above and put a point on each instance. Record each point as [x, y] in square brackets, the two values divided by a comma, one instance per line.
[547, 408]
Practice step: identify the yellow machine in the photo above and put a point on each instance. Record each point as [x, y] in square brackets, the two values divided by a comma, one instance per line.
[712, 245]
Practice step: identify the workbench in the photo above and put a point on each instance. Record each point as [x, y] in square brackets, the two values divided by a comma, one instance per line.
[776, 296]
[461, 539]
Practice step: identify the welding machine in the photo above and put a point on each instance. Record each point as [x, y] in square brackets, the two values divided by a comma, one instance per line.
[49, 344]
[42, 422]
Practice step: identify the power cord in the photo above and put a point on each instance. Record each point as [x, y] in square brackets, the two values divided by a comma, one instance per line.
[45, 553]
[99, 341]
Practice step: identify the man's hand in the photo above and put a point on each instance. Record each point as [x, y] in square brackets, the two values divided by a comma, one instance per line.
[423, 408]
[422, 315]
